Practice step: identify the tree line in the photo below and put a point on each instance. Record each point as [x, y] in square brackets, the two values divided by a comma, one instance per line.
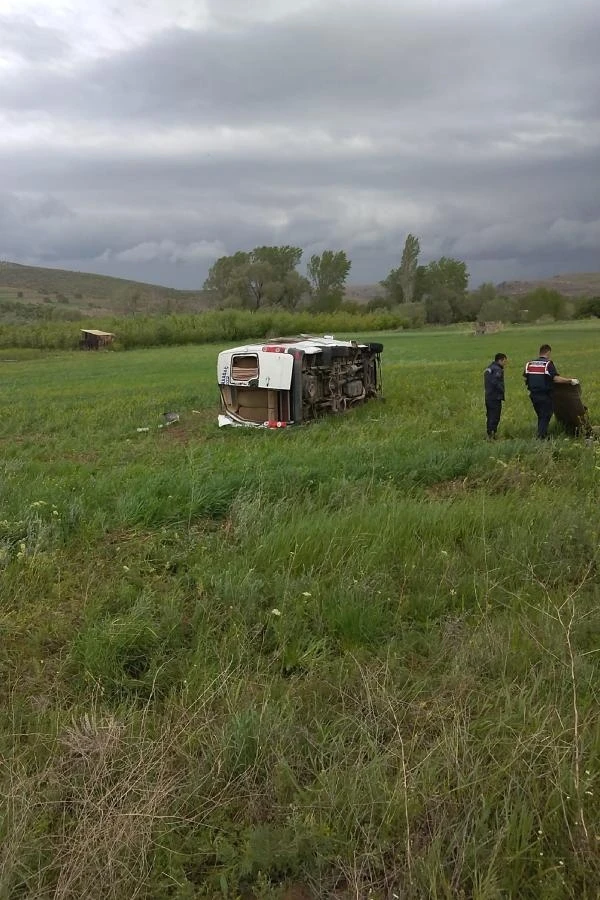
[269, 277]
[436, 293]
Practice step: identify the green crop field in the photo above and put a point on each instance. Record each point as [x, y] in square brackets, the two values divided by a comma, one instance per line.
[353, 660]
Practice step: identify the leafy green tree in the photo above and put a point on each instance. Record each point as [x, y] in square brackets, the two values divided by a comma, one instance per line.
[438, 308]
[256, 277]
[542, 301]
[420, 284]
[266, 276]
[225, 282]
[282, 260]
[379, 303]
[294, 288]
[407, 273]
[445, 286]
[473, 302]
[499, 309]
[273, 279]
[401, 283]
[393, 288]
[447, 272]
[588, 308]
[414, 314]
[476, 300]
[327, 275]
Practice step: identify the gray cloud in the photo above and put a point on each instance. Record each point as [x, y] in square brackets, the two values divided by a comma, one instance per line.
[475, 125]
[169, 251]
[369, 59]
[23, 37]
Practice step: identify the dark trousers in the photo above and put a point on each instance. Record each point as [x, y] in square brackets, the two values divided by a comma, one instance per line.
[542, 403]
[493, 409]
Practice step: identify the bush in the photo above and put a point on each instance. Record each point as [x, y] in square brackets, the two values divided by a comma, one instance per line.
[205, 328]
[352, 307]
[588, 308]
[377, 304]
[499, 309]
[543, 302]
[413, 314]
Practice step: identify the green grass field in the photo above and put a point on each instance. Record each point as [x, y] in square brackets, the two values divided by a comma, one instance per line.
[353, 660]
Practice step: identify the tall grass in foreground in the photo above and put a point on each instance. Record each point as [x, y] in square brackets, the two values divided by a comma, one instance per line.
[354, 660]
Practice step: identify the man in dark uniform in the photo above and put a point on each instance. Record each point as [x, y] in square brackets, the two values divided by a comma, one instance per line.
[493, 382]
[540, 376]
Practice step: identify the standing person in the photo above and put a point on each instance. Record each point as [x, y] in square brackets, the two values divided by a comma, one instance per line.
[540, 377]
[493, 382]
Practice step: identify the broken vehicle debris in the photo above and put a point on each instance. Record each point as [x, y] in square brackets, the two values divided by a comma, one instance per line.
[570, 411]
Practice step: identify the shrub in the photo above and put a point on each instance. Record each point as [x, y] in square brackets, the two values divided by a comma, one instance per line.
[588, 308]
[210, 327]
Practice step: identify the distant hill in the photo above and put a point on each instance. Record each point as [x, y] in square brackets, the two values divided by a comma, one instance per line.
[34, 292]
[577, 284]
[362, 293]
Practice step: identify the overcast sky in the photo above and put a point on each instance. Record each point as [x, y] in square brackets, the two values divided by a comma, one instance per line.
[145, 139]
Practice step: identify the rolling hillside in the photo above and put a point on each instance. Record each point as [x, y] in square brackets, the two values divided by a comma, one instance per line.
[33, 292]
[576, 284]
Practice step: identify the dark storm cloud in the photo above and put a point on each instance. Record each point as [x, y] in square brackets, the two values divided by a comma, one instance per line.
[475, 125]
[367, 61]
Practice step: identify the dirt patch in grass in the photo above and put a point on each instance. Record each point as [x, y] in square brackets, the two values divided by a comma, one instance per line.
[128, 535]
[185, 433]
[88, 457]
[297, 892]
[456, 487]
[181, 434]
[503, 480]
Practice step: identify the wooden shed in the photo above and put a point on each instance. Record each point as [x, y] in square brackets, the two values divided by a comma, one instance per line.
[92, 339]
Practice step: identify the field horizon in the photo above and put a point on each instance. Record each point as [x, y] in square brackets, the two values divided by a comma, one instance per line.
[62, 294]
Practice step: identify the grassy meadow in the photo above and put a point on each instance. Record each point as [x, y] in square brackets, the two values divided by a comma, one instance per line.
[353, 660]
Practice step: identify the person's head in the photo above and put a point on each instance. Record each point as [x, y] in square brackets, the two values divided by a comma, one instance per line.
[501, 359]
[545, 350]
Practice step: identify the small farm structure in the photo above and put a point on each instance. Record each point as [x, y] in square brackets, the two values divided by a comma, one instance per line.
[487, 327]
[92, 339]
